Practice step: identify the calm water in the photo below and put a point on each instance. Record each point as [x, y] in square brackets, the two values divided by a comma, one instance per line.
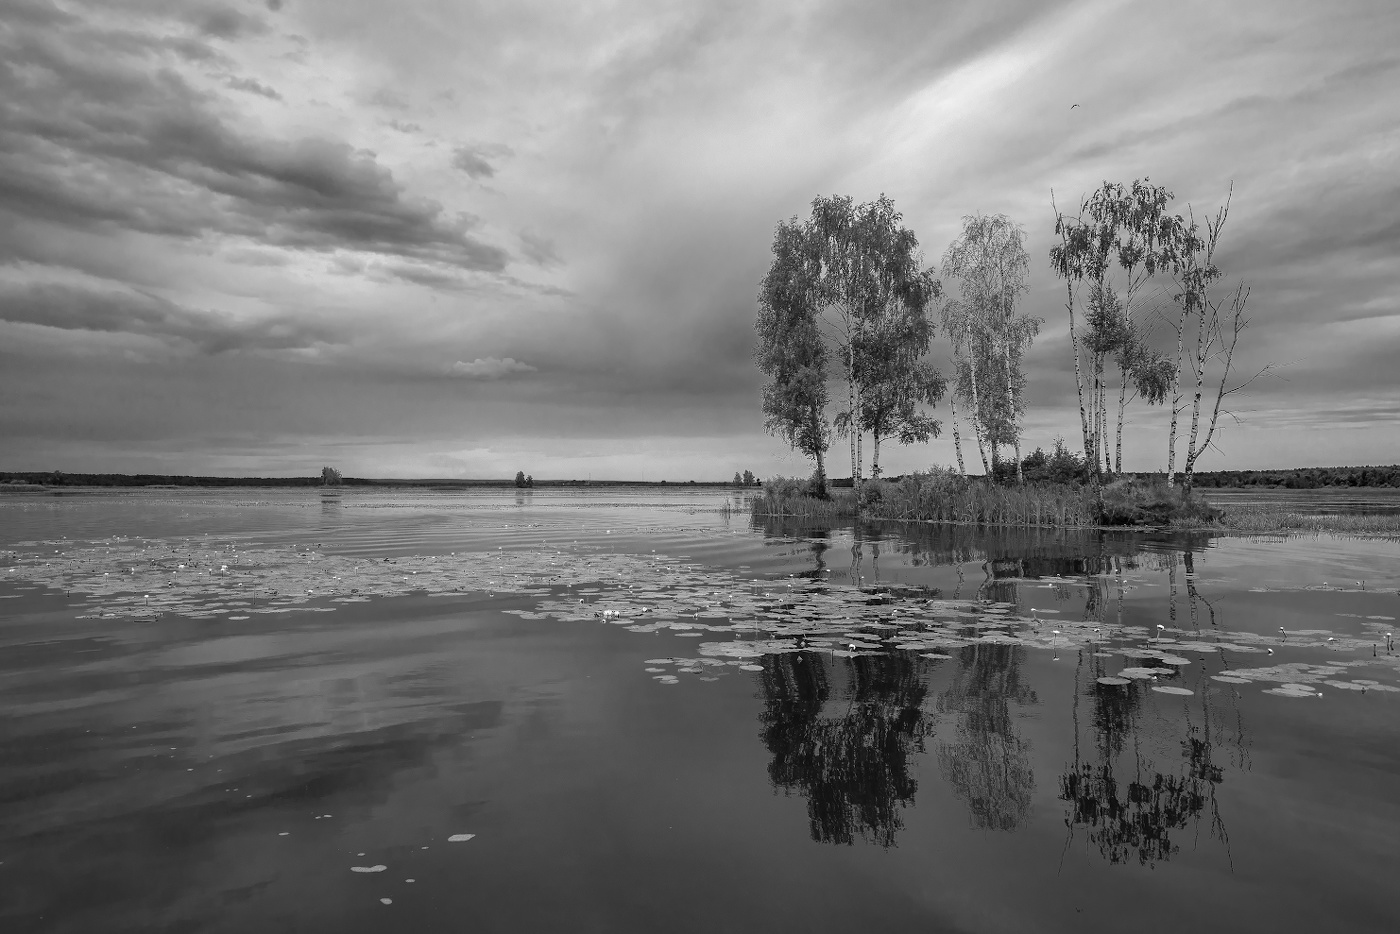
[270, 711]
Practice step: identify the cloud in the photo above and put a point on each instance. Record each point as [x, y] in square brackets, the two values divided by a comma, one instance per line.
[538, 249]
[98, 132]
[129, 311]
[253, 86]
[489, 368]
[472, 162]
[225, 22]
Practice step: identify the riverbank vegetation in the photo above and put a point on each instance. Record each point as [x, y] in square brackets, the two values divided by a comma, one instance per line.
[944, 495]
[1146, 501]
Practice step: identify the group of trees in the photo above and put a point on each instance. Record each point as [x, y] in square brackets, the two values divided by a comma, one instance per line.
[1124, 250]
[745, 479]
[330, 476]
[847, 299]
[522, 481]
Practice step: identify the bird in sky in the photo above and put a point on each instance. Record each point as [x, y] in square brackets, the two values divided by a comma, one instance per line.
[1072, 106]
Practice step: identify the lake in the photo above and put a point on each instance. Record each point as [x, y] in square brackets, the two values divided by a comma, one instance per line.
[636, 710]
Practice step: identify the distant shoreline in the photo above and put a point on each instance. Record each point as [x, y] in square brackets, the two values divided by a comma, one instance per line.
[21, 483]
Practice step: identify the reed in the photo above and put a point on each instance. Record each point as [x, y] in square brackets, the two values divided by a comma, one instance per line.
[1281, 518]
[942, 495]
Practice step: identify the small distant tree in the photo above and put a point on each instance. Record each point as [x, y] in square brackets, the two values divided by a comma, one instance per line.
[520, 479]
[738, 480]
[330, 476]
[749, 478]
[530, 481]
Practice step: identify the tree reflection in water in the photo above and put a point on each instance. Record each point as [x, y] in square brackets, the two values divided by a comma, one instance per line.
[849, 754]
[1129, 807]
[988, 763]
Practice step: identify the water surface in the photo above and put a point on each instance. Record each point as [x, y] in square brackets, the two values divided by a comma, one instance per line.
[650, 714]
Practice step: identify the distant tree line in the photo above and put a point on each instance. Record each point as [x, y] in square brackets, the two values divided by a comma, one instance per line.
[56, 478]
[1304, 478]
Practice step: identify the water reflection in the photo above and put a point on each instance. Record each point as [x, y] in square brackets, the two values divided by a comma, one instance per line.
[987, 762]
[847, 750]
[1129, 804]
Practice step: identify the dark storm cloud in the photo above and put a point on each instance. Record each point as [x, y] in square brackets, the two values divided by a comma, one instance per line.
[94, 131]
[76, 308]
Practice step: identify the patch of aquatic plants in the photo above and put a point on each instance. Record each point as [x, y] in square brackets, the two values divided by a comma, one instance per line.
[736, 620]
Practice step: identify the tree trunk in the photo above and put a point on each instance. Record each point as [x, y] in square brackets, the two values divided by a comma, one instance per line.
[875, 455]
[1103, 429]
[1078, 375]
[851, 403]
[1122, 407]
[957, 440]
[1176, 395]
[1200, 368]
[976, 405]
[1010, 384]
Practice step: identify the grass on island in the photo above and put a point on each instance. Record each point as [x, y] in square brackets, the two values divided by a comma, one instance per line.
[944, 496]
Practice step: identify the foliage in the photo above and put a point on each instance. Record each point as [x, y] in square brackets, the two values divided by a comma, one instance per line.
[790, 351]
[1130, 229]
[990, 261]
[847, 283]
[1303, 478]
[1130, 501]
[786, 496]
[523, 482]
[330, 476]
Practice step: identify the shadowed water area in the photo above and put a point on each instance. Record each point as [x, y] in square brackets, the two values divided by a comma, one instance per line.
[635, 710]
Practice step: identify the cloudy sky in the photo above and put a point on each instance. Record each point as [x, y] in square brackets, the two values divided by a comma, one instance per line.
[452, 238]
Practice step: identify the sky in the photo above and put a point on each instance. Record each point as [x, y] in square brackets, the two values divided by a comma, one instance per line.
[437, 238]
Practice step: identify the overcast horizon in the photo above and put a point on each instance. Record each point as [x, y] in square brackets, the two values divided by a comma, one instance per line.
[448, 239]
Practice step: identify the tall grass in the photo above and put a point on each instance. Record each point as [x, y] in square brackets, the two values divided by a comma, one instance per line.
[1281, 518]
[942, 495]
[785, 497]
[945, 496]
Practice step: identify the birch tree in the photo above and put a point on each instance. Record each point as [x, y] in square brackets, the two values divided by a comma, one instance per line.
[991, 262]
[1215, 322]
[1127, 228]
[867, 273]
